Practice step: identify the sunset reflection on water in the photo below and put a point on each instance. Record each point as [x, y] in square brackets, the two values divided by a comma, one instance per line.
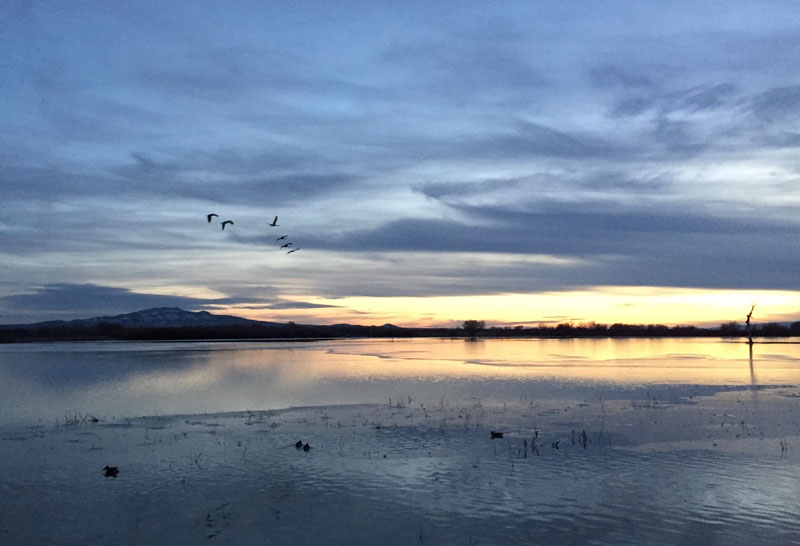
[662, 361]
[45, 381]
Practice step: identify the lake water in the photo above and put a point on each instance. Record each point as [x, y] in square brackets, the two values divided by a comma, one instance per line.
[643, 441]
[47, 382]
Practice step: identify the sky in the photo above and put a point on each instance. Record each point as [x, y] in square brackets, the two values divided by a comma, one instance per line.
[520, 163]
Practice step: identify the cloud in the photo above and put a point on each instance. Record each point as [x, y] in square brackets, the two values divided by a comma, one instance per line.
[423, 150]
[781, 139]
[655, 247]
[70, 301]
[269, 178]
[544, 189]
[635, 94]
[560, 229]
[447, 192]
[49, 184]
[528, 139]
[778, 104]
[677, 138]
[711, 97]
[299, 305]
[615, 77]
[462, 68]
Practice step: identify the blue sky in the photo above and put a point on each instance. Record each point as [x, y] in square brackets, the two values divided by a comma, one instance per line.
[411, 150]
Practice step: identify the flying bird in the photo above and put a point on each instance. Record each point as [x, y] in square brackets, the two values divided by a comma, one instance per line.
[286, 245]
[274, 222]
[226, 222]
[210, 216]
[293, 250]
[281, 238]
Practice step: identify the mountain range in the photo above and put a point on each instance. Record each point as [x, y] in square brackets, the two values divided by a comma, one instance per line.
[166, 317]
[158, 317]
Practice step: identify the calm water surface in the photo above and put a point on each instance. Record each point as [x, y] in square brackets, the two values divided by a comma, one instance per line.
[45, 382]
[689, 442]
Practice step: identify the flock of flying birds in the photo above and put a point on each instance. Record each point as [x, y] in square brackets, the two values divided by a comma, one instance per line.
[274, 223]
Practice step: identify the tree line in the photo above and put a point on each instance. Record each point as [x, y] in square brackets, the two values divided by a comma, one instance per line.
[468, 329]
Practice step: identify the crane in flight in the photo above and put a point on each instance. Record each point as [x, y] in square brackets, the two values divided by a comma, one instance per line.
[210, 216]
[226, 222]
[281, 238]
[274, 222]
[293, 250]
[285, 245]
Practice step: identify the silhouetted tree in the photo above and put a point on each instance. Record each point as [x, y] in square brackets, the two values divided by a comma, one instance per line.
[747, 322]
[471, 327]
[730, 329]
[773, 329]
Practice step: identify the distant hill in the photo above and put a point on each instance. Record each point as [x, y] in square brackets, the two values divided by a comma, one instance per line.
[386, 326]
[175, 323]
[159, 317]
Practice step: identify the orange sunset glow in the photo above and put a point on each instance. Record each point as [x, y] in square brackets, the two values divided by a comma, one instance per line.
[603, 305]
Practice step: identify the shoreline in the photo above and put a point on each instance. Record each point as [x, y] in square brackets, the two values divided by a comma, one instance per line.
[699, 333]
[758, 340]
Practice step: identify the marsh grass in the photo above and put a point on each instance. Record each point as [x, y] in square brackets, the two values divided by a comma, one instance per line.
[76, 419]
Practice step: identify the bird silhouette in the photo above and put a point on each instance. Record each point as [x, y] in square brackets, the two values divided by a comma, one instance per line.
[285, 245]
[274, 222]
[281, 238]
[227, 222]
[210, 216]
[110, 471]
[293, 250]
